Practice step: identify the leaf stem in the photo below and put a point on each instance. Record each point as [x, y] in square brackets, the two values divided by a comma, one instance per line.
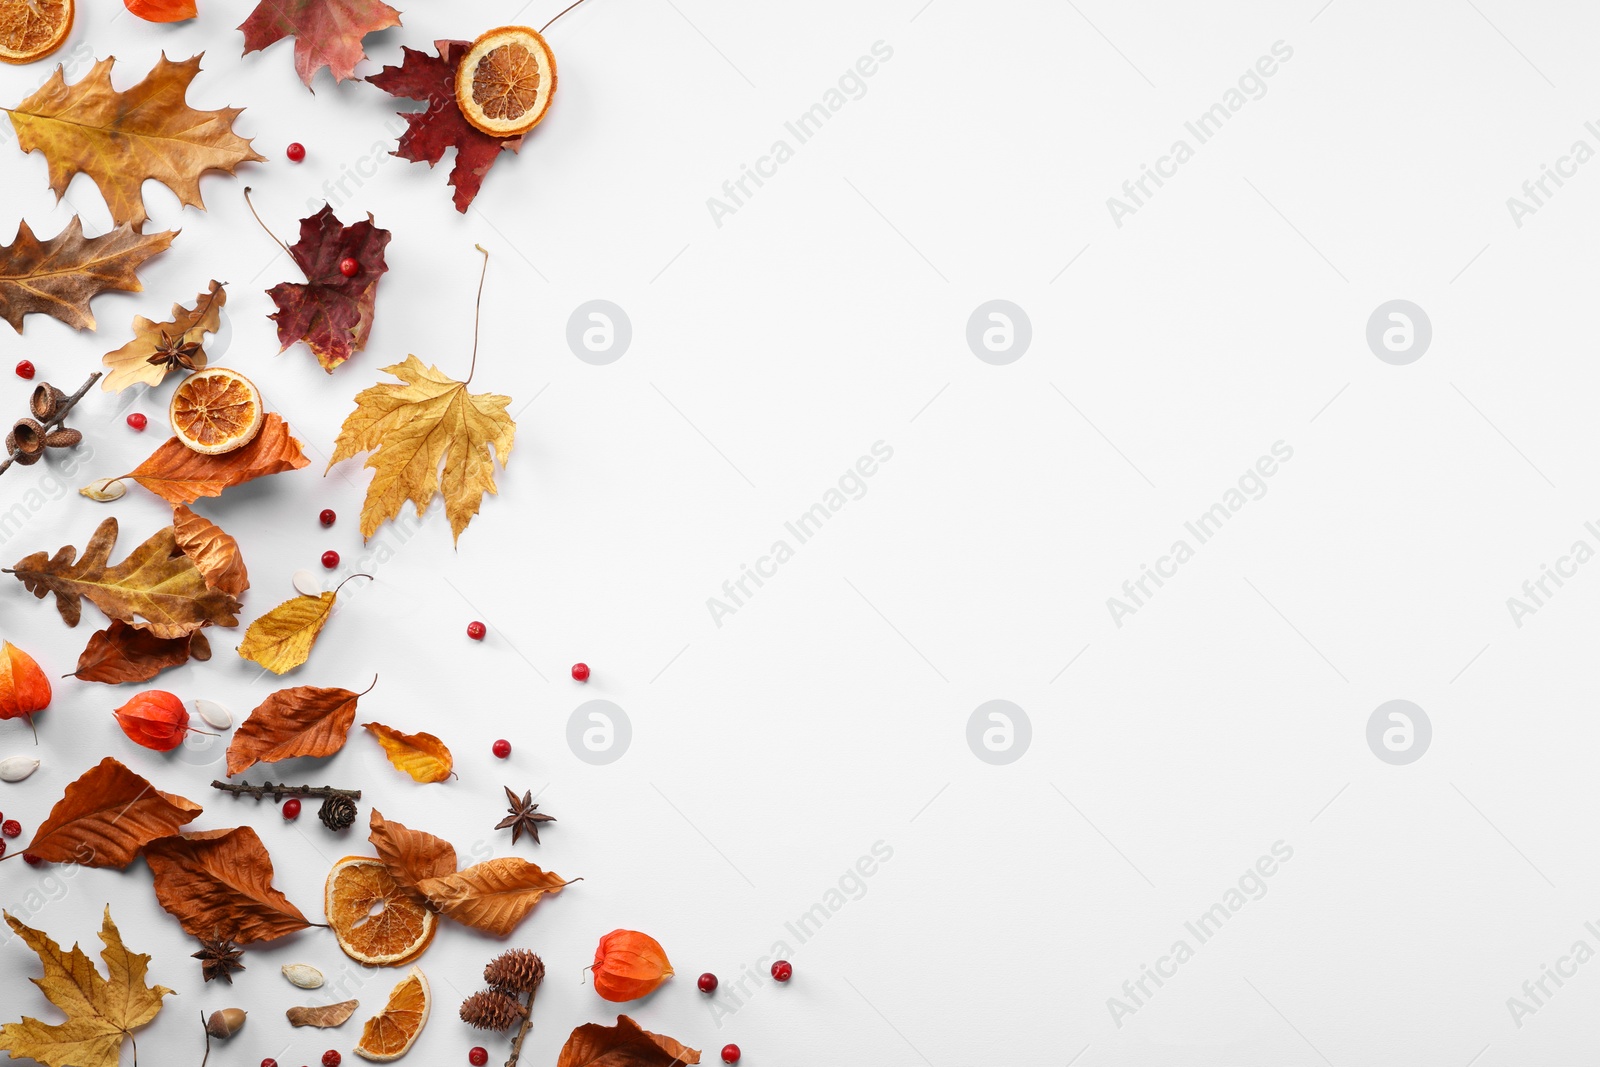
[263, 225]
[58, 418]
[477, 311]
[281, 790]
[341, 585]
[563, 11]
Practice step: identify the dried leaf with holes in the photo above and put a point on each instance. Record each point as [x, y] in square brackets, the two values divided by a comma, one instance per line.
[106, 817]
[303, 721]
[59, 276]
[122, 653]
[220, 883]
[626, 1044]
[159, 347]
[180, 475]
[327, 33]
[423, 756]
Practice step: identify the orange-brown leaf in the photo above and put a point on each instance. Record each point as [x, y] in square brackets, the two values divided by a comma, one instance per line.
[107, 816]
[180, 475]
[59, 276]
[423, 756]
[412, 856]
[122, 653]
[305, 720]
[219, 884]
[626, 1044]
[213, 551]
[493, 896]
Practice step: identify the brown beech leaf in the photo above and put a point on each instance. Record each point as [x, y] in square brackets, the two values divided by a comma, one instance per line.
[218, 884]
[327, 33]
[303, 721]
[412, 856]
[492, 896]
[180, 475]
[282, 639]
[157, 347]
[106, 817]
[213, 551]
[122, 653]
[423, 756]
[332, 312]
[59, 276]
[626, 1044]
[156, 583]
[323, 1015]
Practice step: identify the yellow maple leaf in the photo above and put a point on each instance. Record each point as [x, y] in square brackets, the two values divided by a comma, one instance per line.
[281, 639]
[100, 1011]
[423, 756]
[413, 428]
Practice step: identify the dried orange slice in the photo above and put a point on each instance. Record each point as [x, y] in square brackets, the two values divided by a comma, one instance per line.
[391, 1033]
[376, 921]
[216, 411]
[32, 29]
[506, 81]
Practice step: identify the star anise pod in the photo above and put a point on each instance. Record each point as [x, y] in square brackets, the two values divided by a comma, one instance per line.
[177, 352]
[219, 958]
[525, 815]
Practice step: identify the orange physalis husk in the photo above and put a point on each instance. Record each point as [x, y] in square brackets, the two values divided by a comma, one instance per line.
[155, 719]
[629, 965]
[24, 688]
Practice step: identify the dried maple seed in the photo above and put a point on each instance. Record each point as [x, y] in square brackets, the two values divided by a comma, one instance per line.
[330, 559]
[730, 1053]
[477, 1056]
[349, 267]
[25, 370]
[327, 518]
[11, 828]
[296, 152]
[502, 748]
[708, 983]
[629, 965]
[782, 970]
[477, 630]
[138, 421]
[291, 809]
[580, 672]
[330, 1058]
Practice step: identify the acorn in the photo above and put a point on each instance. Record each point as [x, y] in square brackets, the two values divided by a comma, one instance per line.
[46, 401]
[26, 437]
[225, 1023]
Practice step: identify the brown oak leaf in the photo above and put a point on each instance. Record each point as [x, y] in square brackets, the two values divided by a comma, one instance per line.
[106, 817]
[330, 312]
[303, 721]
[626, 1044]
[492, 896]
[121, 139]
[157, 347]
[218, 884]
[213, 551]
[327, 33]
[122, 653]
[441, 126]
[157, 583]
[59, 276]
[412, 856]
[180, 475]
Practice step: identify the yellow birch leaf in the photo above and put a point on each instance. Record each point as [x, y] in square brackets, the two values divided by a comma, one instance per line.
[281, 639]
[423, 756]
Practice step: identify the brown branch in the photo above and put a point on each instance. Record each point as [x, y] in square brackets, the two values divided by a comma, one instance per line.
[527, 1022]
[281, 790]
[57, 419]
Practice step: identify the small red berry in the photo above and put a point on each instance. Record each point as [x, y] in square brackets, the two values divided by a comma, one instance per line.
[25, 369]
[708, 982]
[476, 630]
[11, 828]
[31, 860]
[2, 848]
[291, 809]
[782, 970]
[502, 748]
[296, 152]
[349, 267]
[138, 421]
[327, 518]
[730, 1053]
[269, 1062]
[331, 1058]
[580, 672]
[330, 559]
[478, 1056]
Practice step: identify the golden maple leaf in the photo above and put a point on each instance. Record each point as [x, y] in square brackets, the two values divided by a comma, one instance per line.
[157, 347]
[100, 1011]
[412, 428]
[120, 139]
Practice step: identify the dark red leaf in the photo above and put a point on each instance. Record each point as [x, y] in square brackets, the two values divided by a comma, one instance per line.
[331, 313]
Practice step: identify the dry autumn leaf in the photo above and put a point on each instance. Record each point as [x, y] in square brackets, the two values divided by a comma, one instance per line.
[492, 896]
[157, 347]
[626, 1044]
[106, 817]
[59, 276]
[324, 1015]
[180, 475]
[100, 1011]
[412, 856]
[331, 311]
[327, 33]
[219, 884]
[303, 721]
[213, 551]
[156, 582]
[121, 139]
[423, 756]
[122, 653]
[281, 639]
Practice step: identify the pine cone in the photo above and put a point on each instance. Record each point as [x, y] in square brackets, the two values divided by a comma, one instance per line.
[491, 1010]
[337, 812]
[516, 971]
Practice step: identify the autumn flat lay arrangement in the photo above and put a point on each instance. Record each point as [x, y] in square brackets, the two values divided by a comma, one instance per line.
[196, 387]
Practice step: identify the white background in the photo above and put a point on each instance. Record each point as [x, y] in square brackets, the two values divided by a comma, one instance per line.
[829, 713]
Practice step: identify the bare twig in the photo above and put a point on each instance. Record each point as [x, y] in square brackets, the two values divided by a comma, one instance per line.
[282, 790]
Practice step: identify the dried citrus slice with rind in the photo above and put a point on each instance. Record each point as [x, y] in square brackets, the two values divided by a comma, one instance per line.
[506, 81]
[32, 29]
[377, 921]
[216, 411]
[391, 1033]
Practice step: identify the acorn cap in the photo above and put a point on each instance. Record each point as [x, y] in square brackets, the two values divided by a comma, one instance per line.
[46, 401]
[27, 437]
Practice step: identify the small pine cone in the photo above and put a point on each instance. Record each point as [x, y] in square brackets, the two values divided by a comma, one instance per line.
[63, 438]
[516, 971]
[490, 1010]
[337, 812]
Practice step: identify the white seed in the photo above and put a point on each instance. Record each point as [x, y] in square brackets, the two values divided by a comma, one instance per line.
[307, 584]
[104, 490]
[16, 768]
[215, 715]
[303, 975]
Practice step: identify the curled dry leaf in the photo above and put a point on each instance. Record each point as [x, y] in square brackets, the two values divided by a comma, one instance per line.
[331, 312]
[180, 475]
[626, 1044]
[107, 816]
[104, 490]
[423, 756]
[412, 856]
[327, 33]
[282, 639]
[219, 884]
[303, 721]
[324, 1015]
[122, 653]
[17, 768]
[493, 896]
[213, 551]
[158, 347]
[59, 276]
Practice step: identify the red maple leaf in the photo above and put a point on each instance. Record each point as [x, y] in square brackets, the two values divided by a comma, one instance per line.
[442, 125]
[331, 313]
[327, 33]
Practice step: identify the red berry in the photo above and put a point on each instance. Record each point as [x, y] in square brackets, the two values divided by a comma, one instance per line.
[269, 1062]
[708, 982]
[476, 630]
[2, 848]
[331, 1058]
[291, 809]
[349, 267]
[138, 421]
[730, 1053]
[327, 518]
[330, 559]
[31, 860]
[502, 748]
[580, 671]
[296, 152]
[782, 970]
[478, 1056]
[25, 369]
[11, 828]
